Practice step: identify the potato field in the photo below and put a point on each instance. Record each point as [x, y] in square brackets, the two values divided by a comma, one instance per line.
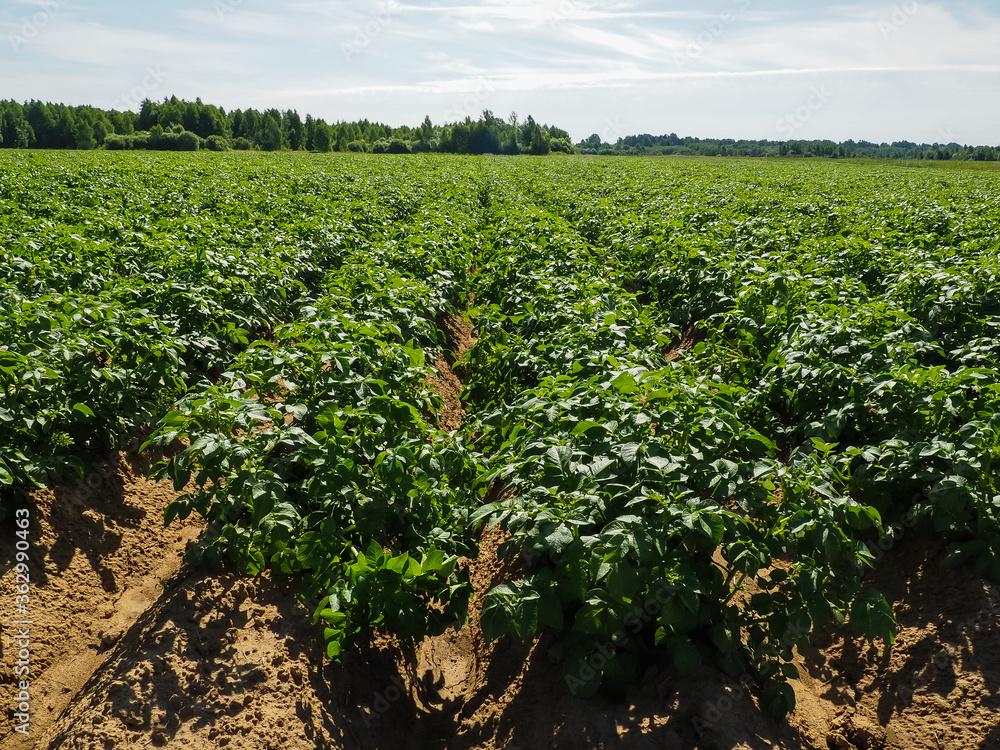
[350, 451]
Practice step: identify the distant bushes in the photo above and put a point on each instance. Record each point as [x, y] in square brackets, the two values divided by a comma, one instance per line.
[125, 142]
[216, 143]
[176, 139]
[185, 140]
[562, 146]
[393, 146]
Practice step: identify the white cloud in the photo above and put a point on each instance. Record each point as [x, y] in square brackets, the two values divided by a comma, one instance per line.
[484, 26]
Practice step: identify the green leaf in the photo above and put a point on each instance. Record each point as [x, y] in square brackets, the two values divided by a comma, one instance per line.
[180, 476]
[561, 456]
[778, 699]
[871, 617]
[628, 451]
[685, 655]
[550, 610]
[960, 553]
[625, 384]
[586, 425]
[83, 409]
[374, 554]
[599, 464]
[417, 358]
[624, 582]
[433, 561]
[398, 563]
[582, 679]
[557, 537]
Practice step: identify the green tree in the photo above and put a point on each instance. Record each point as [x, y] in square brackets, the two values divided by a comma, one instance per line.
[310, 133]
[188, 141]
[84, 135]
[252, 126]
[293, 131]
[562, 145]
[121, 123]
[321, 140]
[42, 123]
[216, 143]
[236, 124]
[540, 142]
[271, 137]
[65, 129]
[508, 142]
[101, 130]
[155, 134]
[192, 116]
[148, 115]
[15, 129]
[426, 129]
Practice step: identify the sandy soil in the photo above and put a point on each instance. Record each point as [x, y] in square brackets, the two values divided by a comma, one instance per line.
[99, 560]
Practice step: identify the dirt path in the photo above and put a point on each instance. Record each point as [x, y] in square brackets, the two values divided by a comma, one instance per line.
[447, 383]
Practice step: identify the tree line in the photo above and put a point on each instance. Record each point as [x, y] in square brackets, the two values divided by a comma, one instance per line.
[174, 124]
[672, 145]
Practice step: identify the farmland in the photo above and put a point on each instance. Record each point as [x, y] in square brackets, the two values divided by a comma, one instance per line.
[637, 420]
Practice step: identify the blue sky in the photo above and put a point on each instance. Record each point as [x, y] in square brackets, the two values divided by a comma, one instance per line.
[880, 71]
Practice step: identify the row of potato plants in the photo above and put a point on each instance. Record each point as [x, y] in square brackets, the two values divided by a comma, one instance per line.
[317, 452]
[652, 514]
[124, 282]
[863, 315]
[845, 381]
